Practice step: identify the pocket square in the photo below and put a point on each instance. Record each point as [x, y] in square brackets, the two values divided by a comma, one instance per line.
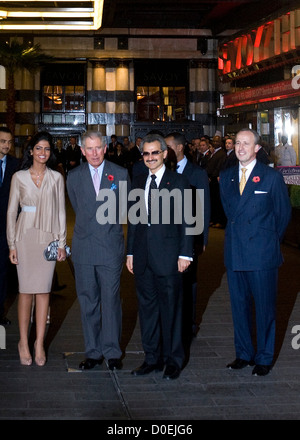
[260, 192]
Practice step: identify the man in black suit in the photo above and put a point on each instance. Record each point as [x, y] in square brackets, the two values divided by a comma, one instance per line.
[214, 165]
[8, 165]
[159, 250]
[263, 156]
[198, 180]
[204, 153]
[73, 155]
[231, 158]
[112, 146]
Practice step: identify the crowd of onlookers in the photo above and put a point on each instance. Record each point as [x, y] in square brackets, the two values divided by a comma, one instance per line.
[211, 153]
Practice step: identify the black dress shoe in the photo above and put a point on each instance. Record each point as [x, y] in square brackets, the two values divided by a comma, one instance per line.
[90, 363]
[261, 370]
[171, 372]
[147, 368]
[4, 321]
[238, 364]
[114, 364]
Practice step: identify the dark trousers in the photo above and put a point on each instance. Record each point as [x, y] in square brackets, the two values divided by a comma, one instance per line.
[190, 302]
[261, 287]
[217, 211]
[3, 273]
[160, 313]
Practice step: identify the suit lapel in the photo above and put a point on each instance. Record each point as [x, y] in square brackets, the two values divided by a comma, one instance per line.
[167, 179]
[88, 187]
[250, 186]
[7, 174]
[107, 176]
[187, 169]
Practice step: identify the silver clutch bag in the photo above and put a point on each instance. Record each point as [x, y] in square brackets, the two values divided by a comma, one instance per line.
[50, 253]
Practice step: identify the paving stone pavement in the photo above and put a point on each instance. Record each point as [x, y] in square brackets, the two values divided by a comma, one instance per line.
[205, 390]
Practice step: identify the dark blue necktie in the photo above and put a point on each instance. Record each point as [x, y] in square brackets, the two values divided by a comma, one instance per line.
[152, 186]
[1, 173]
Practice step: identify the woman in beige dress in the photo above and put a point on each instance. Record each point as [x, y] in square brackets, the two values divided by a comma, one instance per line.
[36, 216]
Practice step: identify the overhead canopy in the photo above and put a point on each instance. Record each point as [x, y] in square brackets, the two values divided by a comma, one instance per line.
[216, 15]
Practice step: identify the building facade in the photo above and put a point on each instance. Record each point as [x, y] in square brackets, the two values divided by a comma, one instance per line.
[119, 84]
[131, 81]
[261, 69]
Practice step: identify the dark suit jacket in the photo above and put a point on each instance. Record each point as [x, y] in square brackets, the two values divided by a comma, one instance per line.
[215, 163]
[230, 160]
[160, 244]
[203, 159]
[198, 179]
[263, 156]
[256, 220]
[95, 243]
[72, 155]
[139, 168]
[12, 164]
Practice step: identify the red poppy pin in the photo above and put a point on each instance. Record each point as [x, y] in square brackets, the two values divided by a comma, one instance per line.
[110, 177]
[256, 179]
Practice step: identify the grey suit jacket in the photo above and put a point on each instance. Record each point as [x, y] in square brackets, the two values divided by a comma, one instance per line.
[94, 243]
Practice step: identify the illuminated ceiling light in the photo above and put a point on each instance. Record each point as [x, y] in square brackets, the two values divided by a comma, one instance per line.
[47, 15]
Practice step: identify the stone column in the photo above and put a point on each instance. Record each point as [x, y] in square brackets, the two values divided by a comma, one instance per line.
[27, 104]
[97, 104]
[122, 103]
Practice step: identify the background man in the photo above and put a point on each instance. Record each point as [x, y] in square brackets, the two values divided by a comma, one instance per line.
[8, 165]
[257, 217]
[97, 253]
[198, 180]
[73, 154]
[158, 254]
[231, 158]
[213, 167]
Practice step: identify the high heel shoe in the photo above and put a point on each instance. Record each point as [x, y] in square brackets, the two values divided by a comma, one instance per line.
[24, 360]
[39, 360]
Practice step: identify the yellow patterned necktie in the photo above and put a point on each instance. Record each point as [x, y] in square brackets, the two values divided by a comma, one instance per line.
[243, 180]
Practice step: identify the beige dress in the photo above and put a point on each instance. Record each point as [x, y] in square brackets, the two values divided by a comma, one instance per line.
[42, 219]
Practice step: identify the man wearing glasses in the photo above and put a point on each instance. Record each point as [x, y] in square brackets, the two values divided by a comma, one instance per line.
[158, 252]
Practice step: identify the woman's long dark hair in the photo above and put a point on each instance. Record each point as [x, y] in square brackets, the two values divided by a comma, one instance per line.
[28, 158]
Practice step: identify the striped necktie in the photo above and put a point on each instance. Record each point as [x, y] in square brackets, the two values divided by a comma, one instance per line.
[152, 186]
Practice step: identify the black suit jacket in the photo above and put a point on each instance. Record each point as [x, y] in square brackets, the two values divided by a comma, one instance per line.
[160, 245]
[198, 179]
[215, 163]
[12, 164]
[203, 159]
[230, 160]
[262, 156]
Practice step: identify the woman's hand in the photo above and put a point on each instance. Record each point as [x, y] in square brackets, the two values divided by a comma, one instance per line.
[13, 256]
[61, 254]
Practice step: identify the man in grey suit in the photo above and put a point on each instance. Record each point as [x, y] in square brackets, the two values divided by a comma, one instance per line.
[98, 250]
